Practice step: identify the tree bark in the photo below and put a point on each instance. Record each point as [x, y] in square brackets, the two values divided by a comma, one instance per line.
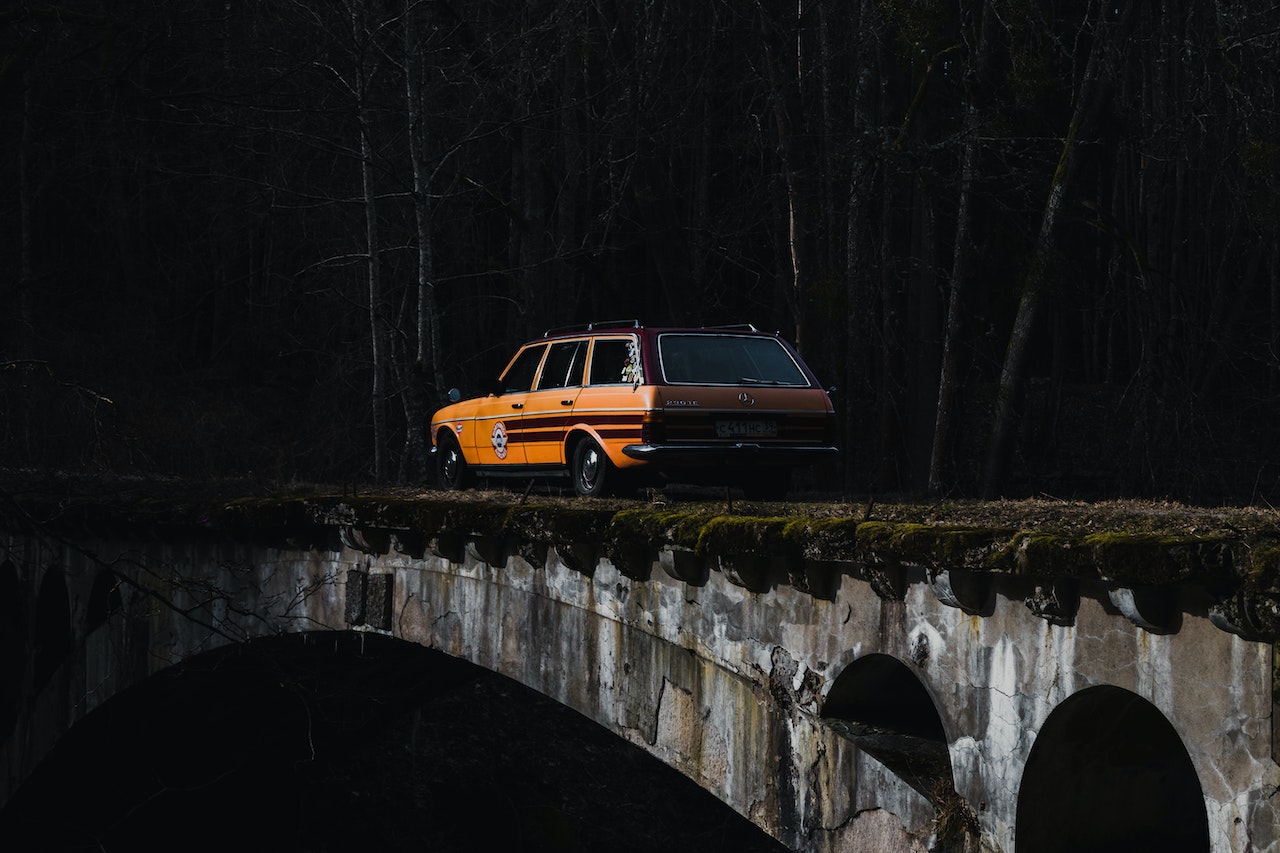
[858, 254]
[962, 253]
[427, 359]
[1090, 94]
[785, 100]
[25, 316]
[377, 349]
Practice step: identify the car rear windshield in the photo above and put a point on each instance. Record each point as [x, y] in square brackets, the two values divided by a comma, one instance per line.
[697, 359]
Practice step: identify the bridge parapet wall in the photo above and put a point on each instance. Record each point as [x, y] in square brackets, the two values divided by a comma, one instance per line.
[717, 642]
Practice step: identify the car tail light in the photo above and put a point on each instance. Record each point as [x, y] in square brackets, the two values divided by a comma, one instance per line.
[652, 428]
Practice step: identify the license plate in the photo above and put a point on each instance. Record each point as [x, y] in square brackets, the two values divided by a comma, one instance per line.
[746, 429]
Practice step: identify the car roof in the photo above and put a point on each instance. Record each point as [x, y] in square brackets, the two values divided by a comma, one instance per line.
[621, 326]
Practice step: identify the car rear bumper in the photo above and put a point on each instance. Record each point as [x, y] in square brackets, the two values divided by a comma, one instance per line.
[735, 453]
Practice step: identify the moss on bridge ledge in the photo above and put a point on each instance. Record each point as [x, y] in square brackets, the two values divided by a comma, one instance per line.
[1118, 555]
[1232, 553]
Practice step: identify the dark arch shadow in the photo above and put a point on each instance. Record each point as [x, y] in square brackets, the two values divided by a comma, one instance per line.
[104, 599]
[13, 630]
[53, 627]
[345, 741]
[1108, 772]
[880, 704]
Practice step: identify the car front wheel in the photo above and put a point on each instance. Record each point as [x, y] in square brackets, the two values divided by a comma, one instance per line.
[453, 471]
[592, 471]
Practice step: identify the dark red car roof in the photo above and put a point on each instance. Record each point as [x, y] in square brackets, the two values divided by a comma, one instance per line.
[637, 326]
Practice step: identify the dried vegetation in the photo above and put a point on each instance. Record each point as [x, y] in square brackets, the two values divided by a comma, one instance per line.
[1230, 549]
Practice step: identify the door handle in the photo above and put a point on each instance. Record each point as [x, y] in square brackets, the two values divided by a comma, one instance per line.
[517, 405]
[566, 402]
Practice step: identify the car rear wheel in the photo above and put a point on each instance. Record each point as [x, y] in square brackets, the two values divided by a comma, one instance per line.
[453, 470]
[592, 471]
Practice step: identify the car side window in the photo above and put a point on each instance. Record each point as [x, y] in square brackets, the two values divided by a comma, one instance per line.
[565, 363]
[615, 361]
[519, 375]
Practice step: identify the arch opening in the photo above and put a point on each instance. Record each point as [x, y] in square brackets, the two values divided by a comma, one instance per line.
[1108, 772]
[13, 631]
[883, 707]
[357, 740]
[104, 599]
[53, 627]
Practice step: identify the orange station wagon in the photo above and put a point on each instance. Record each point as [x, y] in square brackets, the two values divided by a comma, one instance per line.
[617, 404]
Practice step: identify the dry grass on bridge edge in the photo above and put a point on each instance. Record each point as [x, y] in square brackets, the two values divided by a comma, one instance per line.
[1043, 514]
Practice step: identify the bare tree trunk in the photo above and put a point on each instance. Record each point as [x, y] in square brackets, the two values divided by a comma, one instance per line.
[568, 233]
[1274, 372]
[25, 320]
[826, 177]
[1090, 94]
[701, 195]
[427, 360]
[857, 332]
[784, 94]
[373, 267]
[858, 253]
[923, 334]
[962, 253]
[890, 394]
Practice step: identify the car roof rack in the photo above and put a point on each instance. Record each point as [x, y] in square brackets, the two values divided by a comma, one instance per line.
[740, 327]
[591, 327]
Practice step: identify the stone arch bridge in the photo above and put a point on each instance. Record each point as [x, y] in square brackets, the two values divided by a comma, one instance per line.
[888, 679]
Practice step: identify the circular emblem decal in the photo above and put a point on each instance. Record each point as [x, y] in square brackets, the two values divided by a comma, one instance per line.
[746, 399]
[499, 440]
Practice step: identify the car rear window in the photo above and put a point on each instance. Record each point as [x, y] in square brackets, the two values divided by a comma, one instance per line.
[695, 359]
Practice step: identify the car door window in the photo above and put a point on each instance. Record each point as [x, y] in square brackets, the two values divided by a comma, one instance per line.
[521, 372]
[615, 361]
[564, 366]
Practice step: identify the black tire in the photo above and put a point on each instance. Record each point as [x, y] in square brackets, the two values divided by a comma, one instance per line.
[451, 466]
[593, 474]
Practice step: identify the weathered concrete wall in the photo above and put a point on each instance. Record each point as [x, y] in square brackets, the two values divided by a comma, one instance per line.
[722, 679]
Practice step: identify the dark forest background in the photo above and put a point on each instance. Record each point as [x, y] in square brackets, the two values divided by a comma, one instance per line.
[1033, 244]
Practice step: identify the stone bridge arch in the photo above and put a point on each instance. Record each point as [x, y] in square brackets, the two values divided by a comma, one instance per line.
[98, 617]
[737, 661]
[879, 703]
[327, 735]
[12, 635]
[1108, 772]
[53, 629]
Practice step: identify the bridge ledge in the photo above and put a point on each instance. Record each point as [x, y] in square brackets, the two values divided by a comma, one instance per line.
[1213, 565]
[1226, 574]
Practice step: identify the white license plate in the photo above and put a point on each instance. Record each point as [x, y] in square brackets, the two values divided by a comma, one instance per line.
[746, 429]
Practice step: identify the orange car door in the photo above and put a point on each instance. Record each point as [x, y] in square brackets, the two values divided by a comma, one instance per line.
[548, 408]
[612, 403]
[498, 416]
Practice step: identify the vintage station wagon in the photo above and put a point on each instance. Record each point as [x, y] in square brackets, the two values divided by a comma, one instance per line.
[618, 404]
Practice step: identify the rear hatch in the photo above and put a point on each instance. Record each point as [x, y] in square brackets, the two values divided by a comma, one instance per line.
[727, 388]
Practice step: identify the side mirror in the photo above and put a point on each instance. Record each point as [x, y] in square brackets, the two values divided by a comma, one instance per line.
[492, 386]
[454, 395]
[831, 392]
